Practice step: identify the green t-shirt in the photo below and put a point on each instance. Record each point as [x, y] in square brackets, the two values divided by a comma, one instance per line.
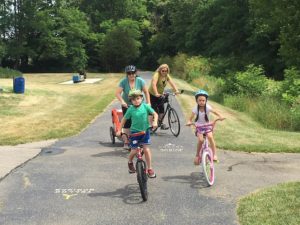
[139, 84]
[139, 117]
[161, 83]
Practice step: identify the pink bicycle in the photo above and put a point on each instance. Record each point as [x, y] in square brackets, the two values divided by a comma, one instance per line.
[206, 157]
[141, 168]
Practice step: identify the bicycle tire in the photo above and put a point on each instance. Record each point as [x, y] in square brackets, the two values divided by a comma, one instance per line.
[208, 167]
[174, 122]
[142, 178]
[112, 135]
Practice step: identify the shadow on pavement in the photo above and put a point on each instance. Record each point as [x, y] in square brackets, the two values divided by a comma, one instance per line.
[130, 194]
[116, 152]
[109, 144]
[196, 180]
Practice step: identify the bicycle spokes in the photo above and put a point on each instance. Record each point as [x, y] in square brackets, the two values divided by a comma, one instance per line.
[174, 122]
[208, 167]
[142, 178]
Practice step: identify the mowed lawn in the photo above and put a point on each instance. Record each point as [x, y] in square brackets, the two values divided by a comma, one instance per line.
[50, 110]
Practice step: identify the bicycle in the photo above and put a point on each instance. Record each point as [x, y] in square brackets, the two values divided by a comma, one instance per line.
[206, 156]
[141, 169]
[173, 119]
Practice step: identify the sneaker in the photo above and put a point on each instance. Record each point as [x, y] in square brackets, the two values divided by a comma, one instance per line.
[164, 126]
[151, 173]
[196, 161]
[131, 168]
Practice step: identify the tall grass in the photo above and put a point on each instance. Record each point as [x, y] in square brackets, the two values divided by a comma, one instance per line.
[265, 105]
[267, 111]
[240, 131]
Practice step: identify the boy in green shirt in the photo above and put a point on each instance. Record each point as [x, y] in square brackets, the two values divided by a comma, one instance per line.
[138, 113]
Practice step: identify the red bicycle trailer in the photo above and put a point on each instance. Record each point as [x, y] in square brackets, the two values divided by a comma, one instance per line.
[116, 117]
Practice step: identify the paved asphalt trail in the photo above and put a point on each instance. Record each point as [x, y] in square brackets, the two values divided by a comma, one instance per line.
[84, 180]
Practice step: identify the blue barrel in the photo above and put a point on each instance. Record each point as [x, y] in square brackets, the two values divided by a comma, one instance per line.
[19, 85]
[76, 78]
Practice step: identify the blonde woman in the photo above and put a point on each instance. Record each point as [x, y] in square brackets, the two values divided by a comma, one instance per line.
[159, 81]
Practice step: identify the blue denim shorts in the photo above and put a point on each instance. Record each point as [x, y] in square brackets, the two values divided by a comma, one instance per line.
[137, 138]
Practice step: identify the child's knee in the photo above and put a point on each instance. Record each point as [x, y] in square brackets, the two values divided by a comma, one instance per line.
[200, 139]
[146, 148]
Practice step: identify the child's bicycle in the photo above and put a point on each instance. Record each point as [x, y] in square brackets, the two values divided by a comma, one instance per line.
[206, 157]
[141, 169]
[173, 119]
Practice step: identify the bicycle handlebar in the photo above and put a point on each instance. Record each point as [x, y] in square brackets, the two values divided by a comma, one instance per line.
[172, 93]
[137, 134]
[207, 124]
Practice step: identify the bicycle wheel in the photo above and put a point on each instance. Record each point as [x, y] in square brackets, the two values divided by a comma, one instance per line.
[142, 178]
[112, 134]
[208, 167]
[174, 122]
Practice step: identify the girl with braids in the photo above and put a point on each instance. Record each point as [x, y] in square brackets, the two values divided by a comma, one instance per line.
[201, 111]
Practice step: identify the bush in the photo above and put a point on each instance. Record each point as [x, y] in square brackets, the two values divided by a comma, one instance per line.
[9, 73]
[251, 82]
[178, 66]
[187, 68]
[273, 89]
[296, 118]
[214, 86]
[291, 87]
[195, 67]
[167, 60]
[220, 67]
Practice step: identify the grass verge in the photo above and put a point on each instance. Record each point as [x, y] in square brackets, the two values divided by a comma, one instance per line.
[279, 205]
[50, 110]
[239, 131]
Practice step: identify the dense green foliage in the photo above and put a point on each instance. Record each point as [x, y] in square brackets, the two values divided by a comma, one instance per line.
[38, 35]
[274, 104]
[247, 44]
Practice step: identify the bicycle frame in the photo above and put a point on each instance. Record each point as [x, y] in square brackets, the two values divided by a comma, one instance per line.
[173, 119]
[165, 113]
[141, 169]
[206, 154]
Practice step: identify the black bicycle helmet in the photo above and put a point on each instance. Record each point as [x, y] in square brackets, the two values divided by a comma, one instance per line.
[130, 68]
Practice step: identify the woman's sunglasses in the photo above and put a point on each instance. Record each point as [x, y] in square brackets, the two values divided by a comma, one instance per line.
[164, 71]
[130, 73]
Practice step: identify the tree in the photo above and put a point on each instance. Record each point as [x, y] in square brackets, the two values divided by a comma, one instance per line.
[121, 45]
[75, 30]
[275, 41]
